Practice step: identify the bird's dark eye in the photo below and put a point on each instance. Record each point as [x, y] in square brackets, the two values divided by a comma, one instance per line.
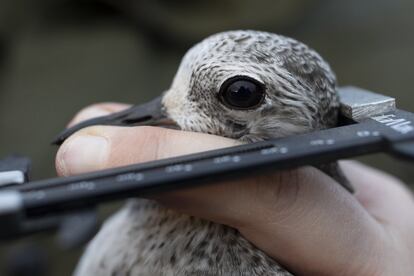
[242, 93]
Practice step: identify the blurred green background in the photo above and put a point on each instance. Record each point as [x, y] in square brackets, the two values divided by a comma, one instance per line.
[59, 56]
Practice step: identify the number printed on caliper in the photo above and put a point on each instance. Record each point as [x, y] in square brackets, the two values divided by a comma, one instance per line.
[130, 177]
[179, 168]
[274, 150]
[322, 142]
[84, 185]
[400, 125]
[227, 159]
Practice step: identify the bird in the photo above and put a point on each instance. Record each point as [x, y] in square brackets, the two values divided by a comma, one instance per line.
[246, 85]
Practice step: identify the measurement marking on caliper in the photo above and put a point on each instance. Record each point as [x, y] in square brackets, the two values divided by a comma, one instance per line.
[179, 168]
[367, 133]
[84, 185]
[322, 142]
[130, 177]
[227, 159]
[274, 150]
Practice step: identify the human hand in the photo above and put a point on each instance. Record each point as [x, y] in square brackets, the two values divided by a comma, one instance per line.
[300, 217]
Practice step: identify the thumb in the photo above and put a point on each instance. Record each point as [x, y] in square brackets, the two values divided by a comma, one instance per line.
[101, 147]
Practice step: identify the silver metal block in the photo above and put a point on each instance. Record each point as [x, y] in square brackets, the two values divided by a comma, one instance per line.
[358, 104]
[11, 177]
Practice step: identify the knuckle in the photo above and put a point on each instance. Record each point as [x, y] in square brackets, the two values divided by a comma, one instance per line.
[285, 188]
[286, 193]
[153, 140]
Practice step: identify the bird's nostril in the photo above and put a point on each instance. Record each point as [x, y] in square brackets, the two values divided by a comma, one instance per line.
[138, 120]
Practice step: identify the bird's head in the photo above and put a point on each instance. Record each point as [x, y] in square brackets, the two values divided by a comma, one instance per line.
[246, 85]
[252, 85]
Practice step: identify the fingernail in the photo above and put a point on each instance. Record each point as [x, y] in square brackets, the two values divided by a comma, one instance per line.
[82, 153]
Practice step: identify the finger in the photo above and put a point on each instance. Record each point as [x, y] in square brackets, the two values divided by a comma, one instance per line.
[299, 217]
[97, 110]
[386, 198]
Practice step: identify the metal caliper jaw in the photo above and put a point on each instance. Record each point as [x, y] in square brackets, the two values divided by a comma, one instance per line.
[358, 104]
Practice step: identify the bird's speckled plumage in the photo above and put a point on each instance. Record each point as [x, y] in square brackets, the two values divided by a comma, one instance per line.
[147, 239]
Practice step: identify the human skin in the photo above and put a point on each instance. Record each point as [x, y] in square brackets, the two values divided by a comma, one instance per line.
[300, 217]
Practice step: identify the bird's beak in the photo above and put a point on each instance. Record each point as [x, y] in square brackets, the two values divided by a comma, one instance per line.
[149, 114]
